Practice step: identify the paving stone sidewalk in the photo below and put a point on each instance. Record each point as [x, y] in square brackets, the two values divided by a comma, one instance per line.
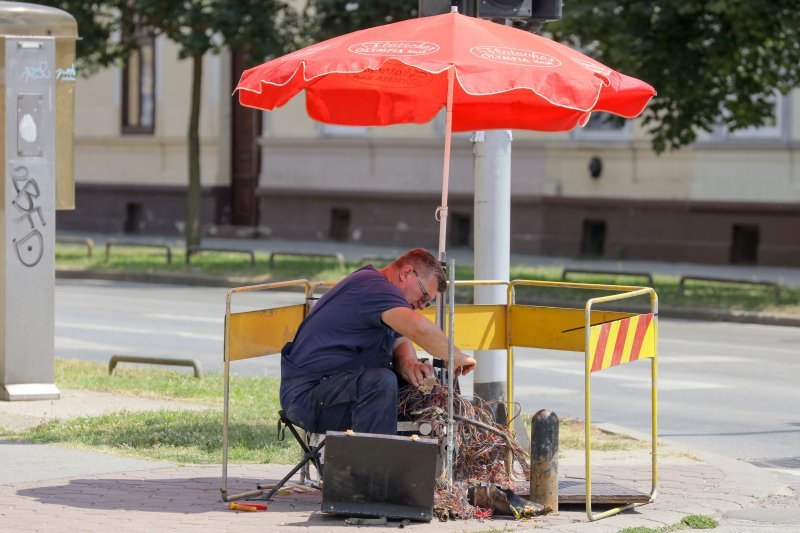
[182, 498]
[52, 488]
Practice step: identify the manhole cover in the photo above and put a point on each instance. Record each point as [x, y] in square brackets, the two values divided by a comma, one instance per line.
[573, 491]
[780, 462]
[603, 492]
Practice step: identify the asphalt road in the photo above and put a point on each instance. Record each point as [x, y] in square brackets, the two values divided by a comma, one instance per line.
[726, 388]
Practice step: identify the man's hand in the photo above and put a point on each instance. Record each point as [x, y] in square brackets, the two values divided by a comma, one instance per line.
[413, 371]
[422, 331]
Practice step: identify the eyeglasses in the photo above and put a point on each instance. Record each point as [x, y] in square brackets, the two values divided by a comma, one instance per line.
[423, 289]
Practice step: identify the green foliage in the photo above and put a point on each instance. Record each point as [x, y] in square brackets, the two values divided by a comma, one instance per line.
[102, 28]
[713, 62]
[260, 28]
[687, 522]
[699, 522]
[330, 18]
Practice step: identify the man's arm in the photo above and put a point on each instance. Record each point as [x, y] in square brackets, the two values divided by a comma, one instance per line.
[422, 331]
[408, 365]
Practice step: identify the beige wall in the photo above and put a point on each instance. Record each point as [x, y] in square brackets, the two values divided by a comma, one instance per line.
[104, 155]
[301, 154]
[552, 164]
[755, 174]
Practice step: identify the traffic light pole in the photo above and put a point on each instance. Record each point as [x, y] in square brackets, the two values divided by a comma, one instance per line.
[492, 156]
[492, 163]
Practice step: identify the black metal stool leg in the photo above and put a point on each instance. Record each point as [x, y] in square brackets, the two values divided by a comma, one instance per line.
[312, 455]
[309, 454]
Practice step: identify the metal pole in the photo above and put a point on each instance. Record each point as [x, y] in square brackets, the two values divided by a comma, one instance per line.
[492, 153]
[451, 292]
[226, 397]
[544, 459]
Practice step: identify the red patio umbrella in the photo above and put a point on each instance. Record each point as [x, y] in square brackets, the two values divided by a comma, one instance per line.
[486, 75]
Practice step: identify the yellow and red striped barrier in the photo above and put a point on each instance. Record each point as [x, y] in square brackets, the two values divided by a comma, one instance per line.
[622, 341]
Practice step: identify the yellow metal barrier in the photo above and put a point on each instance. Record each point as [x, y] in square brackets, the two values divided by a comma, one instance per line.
[608, 338]
[251, 334]
[612, 344]
[589, 331]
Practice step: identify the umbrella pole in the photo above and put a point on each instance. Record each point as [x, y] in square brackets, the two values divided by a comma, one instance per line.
[440, 307]
[441, 212]
[448, 133]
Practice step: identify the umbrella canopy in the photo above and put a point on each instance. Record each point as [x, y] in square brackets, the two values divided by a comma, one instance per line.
[487, 76]
[397, 73]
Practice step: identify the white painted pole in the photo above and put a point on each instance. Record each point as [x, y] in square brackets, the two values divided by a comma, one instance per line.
[492, 244]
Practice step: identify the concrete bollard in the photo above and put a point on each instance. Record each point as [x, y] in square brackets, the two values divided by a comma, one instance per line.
[544, 459]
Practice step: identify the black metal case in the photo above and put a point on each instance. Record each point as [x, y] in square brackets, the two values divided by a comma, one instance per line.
[379, 475]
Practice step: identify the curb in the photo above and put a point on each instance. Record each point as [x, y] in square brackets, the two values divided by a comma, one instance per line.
[700, 313]
[195, 280]
[738, 316]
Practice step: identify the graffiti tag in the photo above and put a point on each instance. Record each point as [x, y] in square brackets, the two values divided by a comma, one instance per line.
[66, 74]
[29, 248]
[34, 73]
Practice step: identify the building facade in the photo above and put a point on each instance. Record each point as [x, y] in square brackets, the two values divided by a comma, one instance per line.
[598, 191]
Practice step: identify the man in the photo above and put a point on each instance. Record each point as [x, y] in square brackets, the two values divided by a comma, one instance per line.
[339, 372]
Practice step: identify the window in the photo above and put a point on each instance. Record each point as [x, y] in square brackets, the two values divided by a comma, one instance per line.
[593, 238]
[744, 245]
[138, 88]
[603, 127]
[134, 217]
[340, 224]
[773, 129]
[460, 229]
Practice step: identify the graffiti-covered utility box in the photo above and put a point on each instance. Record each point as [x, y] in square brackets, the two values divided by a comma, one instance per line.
[37, 76]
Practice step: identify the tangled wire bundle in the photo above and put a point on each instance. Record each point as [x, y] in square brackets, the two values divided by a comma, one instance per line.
[482, 447]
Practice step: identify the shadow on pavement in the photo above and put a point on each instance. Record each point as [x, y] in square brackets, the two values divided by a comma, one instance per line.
[189, 495]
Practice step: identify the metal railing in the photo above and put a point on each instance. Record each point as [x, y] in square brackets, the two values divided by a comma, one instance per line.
[86, 241]
[339, 258]
[116, 359]
[190, 252]
[769, 284]
[609, 273]
[132, 244]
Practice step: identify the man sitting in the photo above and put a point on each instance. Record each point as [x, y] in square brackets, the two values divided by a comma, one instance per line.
[339, 372]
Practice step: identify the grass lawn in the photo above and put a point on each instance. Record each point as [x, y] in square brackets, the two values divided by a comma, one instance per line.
[698, 294]
[195, 437]
[186, 436]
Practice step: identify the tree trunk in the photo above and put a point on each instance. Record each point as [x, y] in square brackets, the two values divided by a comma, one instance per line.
[193, 196]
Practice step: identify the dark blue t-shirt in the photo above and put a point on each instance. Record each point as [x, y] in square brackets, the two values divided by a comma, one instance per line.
[343, 332]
